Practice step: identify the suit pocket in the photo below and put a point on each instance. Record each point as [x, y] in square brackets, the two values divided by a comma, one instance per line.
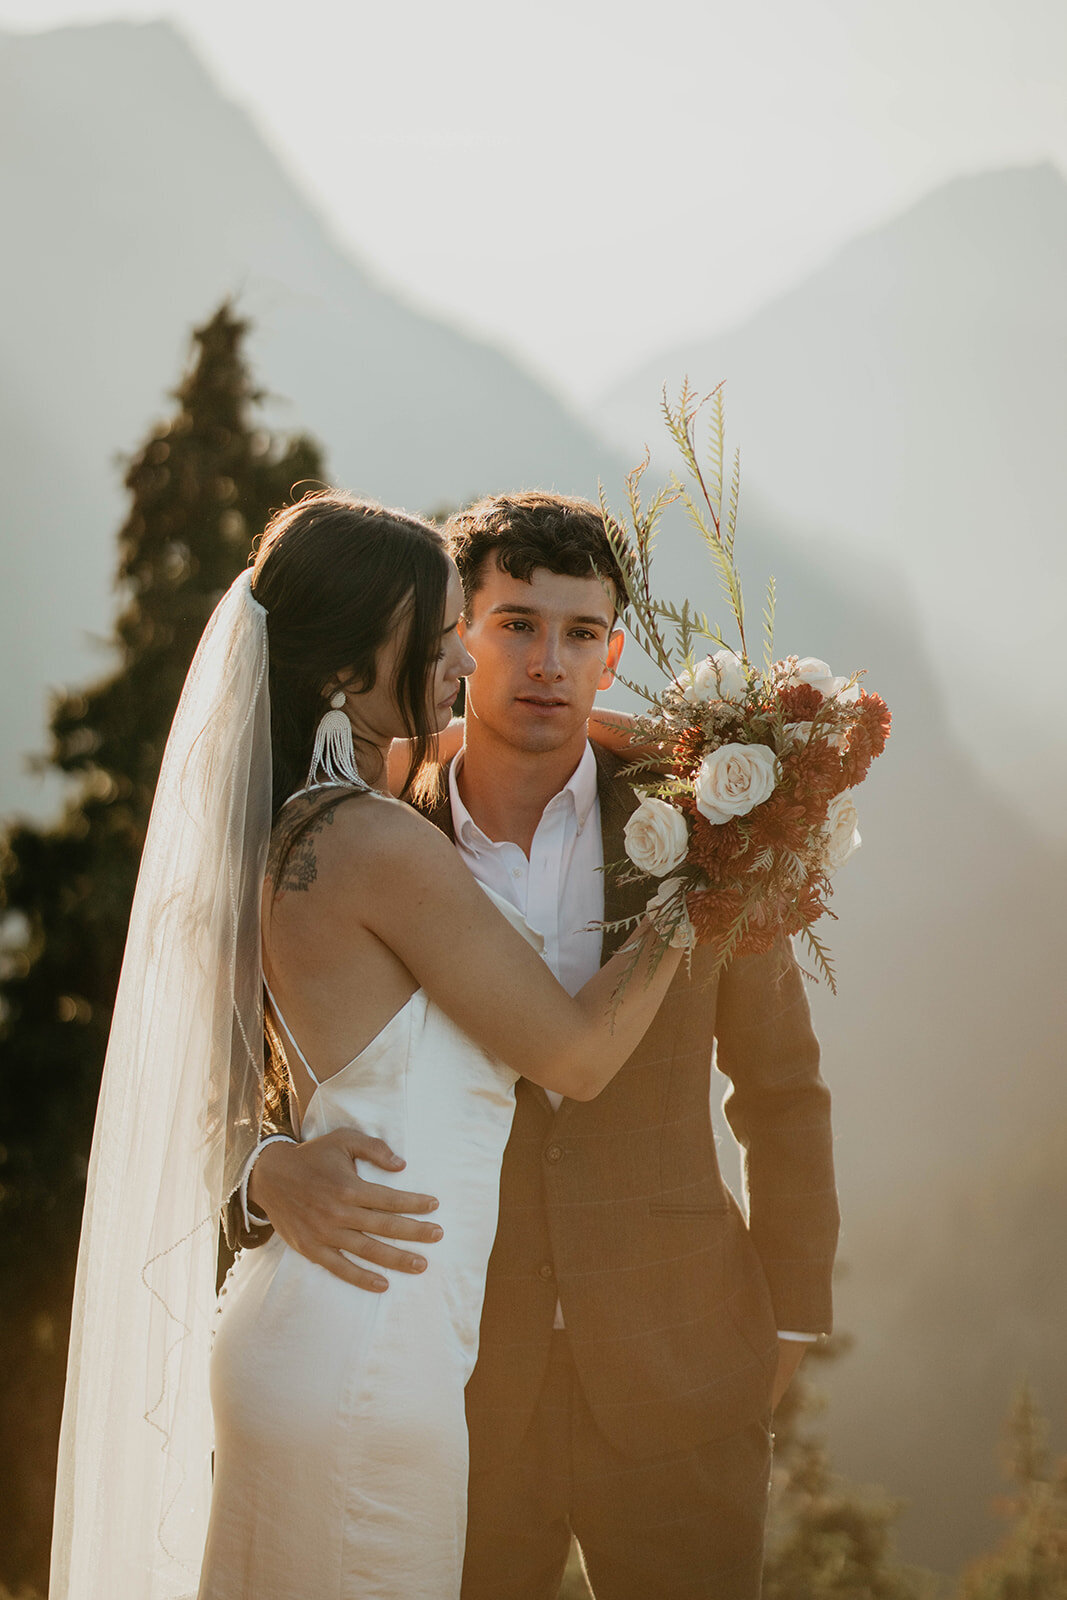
[663, 1208]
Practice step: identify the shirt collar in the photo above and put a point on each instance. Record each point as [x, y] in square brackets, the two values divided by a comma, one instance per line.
[581, 787]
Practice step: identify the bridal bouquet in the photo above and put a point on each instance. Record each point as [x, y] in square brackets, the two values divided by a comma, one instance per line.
[747, 810]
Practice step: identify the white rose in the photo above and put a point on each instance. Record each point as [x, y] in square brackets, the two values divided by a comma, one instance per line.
[842, 836]
[809, 669]
[796, 735]
[733, 779]
[683, 934]
[718, 677]
[656, 837]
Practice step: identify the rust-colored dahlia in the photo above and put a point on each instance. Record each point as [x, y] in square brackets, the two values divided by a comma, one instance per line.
[711, 847]
[780, 823]
[688, 751]
[819, 773]
[858, 756]
[877, 719]
[799, 701]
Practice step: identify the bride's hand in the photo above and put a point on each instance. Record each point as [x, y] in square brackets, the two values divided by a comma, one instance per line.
[318, 1203]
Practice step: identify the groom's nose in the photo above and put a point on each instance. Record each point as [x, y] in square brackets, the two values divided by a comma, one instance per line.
[546, 658]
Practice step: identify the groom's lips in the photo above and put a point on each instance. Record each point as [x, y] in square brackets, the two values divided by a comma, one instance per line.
[541, 704]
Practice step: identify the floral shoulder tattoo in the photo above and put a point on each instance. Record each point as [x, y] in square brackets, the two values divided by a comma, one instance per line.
[292, 865]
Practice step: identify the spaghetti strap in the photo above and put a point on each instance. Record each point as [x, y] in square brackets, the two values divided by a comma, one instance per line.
[276, 1008]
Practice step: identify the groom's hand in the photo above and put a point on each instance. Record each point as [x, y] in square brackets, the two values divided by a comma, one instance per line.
[791, 1353]
[318, 1203]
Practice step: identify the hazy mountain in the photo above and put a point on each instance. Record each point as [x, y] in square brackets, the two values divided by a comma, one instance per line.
[944, 1050]
[134, 196]
[909, 398]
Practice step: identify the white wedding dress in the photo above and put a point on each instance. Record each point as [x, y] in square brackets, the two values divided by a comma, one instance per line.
[340, 1439]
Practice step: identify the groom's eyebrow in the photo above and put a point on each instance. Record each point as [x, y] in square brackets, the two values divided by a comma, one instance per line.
[590, 621]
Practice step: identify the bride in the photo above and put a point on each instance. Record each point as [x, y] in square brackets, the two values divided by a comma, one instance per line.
[401, 1000]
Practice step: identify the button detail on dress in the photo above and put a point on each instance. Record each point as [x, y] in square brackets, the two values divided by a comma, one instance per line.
[554, 1153]
[545, 1271]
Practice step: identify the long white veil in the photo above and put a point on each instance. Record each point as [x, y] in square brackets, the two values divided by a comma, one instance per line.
[178, 1117]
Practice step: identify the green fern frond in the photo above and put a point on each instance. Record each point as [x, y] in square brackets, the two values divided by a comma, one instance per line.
[717, 444]
[768, 625]
[822, 957]
[640, 689]
[735, 496]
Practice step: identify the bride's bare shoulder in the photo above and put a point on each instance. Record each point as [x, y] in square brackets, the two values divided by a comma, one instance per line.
[328, 838]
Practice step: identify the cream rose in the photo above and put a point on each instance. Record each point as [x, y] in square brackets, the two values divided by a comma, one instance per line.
[718, 677]
[675, 927]
[796, 735]
[842, 836]
[656, 837]
[809, 669]
[733, 779]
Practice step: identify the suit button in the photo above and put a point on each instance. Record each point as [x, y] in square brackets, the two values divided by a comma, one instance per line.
[554, 1153]
[545, 1271]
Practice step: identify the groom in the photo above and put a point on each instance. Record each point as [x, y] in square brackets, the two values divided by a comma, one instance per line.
[635, 1333]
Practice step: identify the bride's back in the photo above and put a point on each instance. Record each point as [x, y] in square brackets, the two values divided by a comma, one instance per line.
[334, 980]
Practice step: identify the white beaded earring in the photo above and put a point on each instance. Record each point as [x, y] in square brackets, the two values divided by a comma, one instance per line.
[335, 752]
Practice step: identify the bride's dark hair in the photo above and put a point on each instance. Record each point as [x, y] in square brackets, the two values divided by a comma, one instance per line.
[336, 575]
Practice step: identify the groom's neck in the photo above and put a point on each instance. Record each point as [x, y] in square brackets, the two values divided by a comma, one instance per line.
[506, 789]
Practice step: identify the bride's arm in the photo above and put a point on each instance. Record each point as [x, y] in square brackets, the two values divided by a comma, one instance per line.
[387, 870]
[449, 744]
[613, 730]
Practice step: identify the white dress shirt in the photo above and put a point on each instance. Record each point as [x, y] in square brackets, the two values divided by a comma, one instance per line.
[559, 887]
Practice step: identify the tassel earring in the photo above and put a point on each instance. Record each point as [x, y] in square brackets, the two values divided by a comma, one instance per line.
[335, 752]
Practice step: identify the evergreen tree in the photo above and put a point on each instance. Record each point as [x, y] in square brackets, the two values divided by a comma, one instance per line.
[1030, 1562]
[201, 488]
[827, 1540]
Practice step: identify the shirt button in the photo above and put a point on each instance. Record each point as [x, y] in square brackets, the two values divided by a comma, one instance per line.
[516, 872]
[545, 1271]
[554, 1153]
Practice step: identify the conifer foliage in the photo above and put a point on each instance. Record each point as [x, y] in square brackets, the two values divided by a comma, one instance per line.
[201, 488]
[1030, 1562]
[826, 1539]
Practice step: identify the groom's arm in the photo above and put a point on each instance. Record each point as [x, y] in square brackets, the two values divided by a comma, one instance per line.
[779, 1110]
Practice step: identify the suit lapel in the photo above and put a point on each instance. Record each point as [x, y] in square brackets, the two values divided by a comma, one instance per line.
[617, 803]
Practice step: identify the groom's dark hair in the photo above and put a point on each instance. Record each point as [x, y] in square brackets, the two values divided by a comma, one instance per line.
[532, 529]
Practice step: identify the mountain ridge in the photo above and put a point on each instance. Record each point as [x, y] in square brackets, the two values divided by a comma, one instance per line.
[907, 397]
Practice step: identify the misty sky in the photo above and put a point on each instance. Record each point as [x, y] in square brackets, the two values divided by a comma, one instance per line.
[586, 181]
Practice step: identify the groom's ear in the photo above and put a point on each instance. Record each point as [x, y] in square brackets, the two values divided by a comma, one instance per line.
[611, 663]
